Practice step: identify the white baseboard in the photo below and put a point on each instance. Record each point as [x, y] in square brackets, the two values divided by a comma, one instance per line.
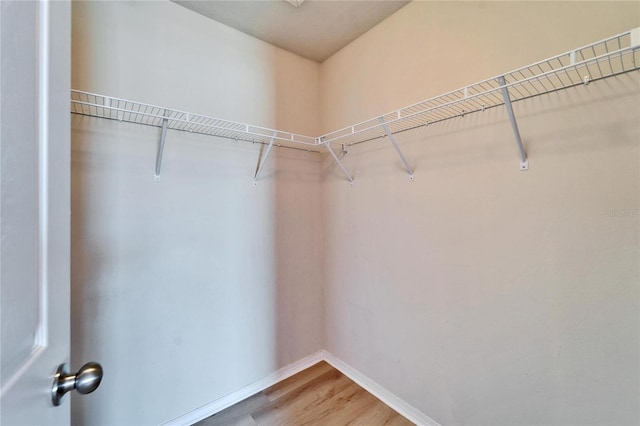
[405, 409]
[393, 401]
[245, 392]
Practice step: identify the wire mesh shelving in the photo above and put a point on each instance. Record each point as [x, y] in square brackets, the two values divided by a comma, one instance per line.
[606, 58]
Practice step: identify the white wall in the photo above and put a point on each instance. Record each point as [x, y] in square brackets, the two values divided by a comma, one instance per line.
[192, 287]
[478, 293]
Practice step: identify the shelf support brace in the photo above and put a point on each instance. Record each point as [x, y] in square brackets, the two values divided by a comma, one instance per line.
[524, 162]
[163, 136]
[264, 159]
[335, 157]
[395, 145]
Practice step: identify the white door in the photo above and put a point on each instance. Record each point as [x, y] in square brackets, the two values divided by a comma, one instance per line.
[34, 208]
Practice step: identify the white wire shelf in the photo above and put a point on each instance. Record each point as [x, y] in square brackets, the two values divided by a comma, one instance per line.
[102, 106]
[606, 58]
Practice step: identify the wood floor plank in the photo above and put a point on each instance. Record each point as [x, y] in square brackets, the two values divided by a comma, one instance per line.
[319, 413]
[357, 404]
[232, 414]
[285, 409]
[276, 391]
[381, 415]
[317, 396]
[325, 406]
[399, 420]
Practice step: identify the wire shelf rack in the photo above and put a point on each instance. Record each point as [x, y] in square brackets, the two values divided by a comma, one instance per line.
[102, 106]
[606, 58]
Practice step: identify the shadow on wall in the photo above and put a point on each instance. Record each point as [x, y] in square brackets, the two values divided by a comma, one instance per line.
[297, 179]
[202, 276]
[202, 271]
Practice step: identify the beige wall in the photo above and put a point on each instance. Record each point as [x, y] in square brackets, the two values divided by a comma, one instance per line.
[162, 54]
[428, 48]
[478, 293]
[192, 287]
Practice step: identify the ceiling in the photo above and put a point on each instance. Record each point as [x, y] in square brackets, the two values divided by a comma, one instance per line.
[315, 30]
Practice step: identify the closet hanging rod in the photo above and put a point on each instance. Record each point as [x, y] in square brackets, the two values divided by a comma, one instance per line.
[606, 58]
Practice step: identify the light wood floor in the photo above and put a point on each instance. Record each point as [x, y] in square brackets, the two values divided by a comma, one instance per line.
[319, 395]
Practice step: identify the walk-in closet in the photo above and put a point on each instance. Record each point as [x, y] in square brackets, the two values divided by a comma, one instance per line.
[433, 204]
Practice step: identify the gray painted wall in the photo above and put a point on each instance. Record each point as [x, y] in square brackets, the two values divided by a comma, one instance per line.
[195, 286]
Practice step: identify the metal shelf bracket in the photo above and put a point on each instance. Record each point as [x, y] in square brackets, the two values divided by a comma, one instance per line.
[335, 157]
[264, 159]
[524, 163]
[395, 145]
[163, 136]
